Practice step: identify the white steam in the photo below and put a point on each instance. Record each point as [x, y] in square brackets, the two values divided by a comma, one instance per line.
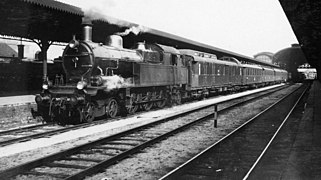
[134, 29]
[116, 82]
[96, 14]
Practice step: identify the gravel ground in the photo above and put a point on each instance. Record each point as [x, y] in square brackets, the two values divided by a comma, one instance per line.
[18, 116]
[156, 161]
[159, 159]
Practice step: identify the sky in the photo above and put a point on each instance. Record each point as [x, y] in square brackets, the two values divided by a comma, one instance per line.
[245, 27]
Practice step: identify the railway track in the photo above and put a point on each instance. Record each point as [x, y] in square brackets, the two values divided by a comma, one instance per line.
[87, 159]
[237, 154]
[37, 131]
[45, 130]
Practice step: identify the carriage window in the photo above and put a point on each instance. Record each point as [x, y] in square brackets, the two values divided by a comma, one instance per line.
[174, 59]
[202, 68]
[195, 68]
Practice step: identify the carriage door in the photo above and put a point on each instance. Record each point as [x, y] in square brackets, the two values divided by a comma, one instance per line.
[188, 62]
[227, 74]
[174, 64]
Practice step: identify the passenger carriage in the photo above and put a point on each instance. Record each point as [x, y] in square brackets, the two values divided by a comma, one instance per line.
[252, 75]
[268, 75]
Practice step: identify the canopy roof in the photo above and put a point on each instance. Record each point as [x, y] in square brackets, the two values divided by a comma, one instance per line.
[305, 19]
[49, 20]
[102, 28]
[39, 19]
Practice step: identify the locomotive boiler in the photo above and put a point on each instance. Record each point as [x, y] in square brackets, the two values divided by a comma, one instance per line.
[107, 79]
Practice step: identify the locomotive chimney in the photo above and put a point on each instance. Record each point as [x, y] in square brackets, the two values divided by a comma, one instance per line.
[115, 41]
[87, 30]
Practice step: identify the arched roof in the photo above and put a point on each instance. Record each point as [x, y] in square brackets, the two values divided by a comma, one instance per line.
[269, 54]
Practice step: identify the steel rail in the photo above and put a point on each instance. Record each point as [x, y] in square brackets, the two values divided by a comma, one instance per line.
[274, 135]
[20, 129]
[180, 170]
[79, 126]
[61, 155]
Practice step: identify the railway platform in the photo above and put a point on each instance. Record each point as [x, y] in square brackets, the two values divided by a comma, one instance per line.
[17, 100]
[305, 157]
[296, 152]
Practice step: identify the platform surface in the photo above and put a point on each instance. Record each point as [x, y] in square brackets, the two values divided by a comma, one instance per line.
[17, 100]
[305, 156]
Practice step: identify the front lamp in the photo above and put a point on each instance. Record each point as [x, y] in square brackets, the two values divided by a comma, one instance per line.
[46, 85]
[73, 44]
[81, 85]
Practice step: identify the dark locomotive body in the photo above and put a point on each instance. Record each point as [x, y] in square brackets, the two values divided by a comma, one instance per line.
[109, 80]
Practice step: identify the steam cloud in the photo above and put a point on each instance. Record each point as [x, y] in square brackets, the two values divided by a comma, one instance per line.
[134, 29]
[115, 82]
[95, 14]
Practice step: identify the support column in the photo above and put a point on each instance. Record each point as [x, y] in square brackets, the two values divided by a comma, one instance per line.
[215, 115]
[44, 46]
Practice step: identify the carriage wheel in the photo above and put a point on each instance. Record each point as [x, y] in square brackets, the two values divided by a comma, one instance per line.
[131, 109]
[147, 106]
[162, 103]
[112, 108]
[88, 113]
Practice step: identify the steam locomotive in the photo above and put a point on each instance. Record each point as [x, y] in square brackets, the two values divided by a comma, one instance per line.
[107, 79]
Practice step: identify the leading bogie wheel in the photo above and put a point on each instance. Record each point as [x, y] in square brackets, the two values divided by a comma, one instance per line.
[88, 112]
[112, 108]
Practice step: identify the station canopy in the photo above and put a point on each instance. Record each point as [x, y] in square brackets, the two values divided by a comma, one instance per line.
[305, 19]
[102, 28]
[39, 19]
[49, 20]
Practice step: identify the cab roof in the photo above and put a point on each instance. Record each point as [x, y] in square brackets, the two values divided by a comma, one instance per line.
[168, 49]
[206, 57]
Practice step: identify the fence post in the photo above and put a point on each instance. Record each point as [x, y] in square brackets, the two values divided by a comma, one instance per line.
[215, 115]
